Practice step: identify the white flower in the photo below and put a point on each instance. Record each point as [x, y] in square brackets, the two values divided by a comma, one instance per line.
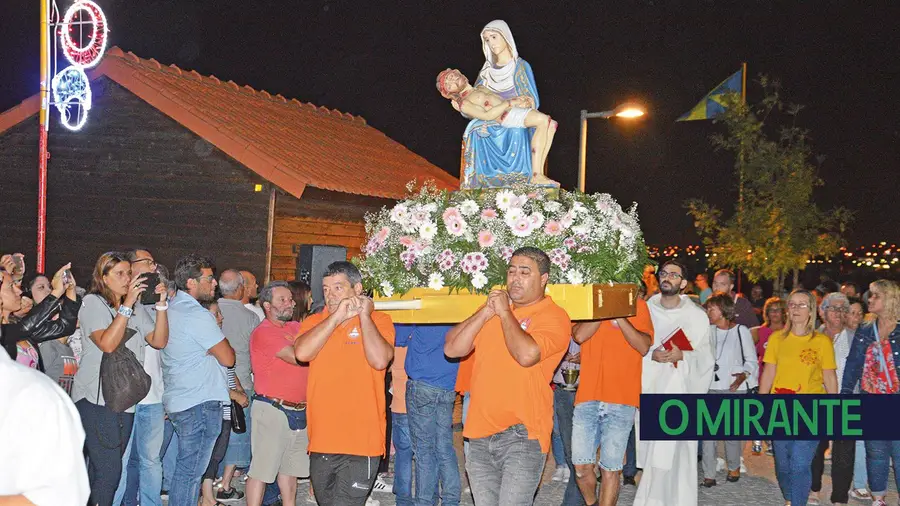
[552, 206]
[505, 199]
[387, 289]
[522, 228]
[512, 215]
[537, 219]
[581, 229]
[520, 201]
[400, 213]
[430, 207]
[479, 280]
[468, 207]
[567, 219]
[575, 277]
[428, 230]
[436, 281]
[579, 208]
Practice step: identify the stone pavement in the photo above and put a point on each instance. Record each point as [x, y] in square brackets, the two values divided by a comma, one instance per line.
[756, 487]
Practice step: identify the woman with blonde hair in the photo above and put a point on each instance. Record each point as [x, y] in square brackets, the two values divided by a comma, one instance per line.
[798, 360]
[873, 364]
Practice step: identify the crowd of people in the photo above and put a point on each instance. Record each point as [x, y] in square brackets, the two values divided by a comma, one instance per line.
[153, 385]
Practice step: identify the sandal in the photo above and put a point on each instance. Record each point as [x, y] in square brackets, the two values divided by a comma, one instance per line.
[733, 476]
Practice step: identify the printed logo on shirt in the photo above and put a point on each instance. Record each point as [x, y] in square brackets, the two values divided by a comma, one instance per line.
[524, 323]
[353, 335]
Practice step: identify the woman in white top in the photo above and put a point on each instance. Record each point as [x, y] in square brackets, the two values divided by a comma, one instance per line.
[735, 371]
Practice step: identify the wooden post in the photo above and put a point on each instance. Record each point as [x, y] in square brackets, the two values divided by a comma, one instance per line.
[270, 234]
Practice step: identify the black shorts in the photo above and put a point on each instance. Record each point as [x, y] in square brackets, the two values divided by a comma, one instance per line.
[342, 480]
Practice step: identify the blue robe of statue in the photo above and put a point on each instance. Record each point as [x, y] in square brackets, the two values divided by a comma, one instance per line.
[494, 156]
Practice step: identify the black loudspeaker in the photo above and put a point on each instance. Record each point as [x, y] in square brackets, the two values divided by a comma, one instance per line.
[312, 261]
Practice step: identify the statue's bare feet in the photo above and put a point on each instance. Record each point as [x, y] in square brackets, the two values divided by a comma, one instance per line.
[542, 180]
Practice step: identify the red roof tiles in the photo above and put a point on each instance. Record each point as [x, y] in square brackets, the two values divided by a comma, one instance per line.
[289, 143]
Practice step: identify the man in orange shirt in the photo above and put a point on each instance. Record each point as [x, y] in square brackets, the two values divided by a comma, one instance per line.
[608, 396]
[519, 338]
[348, 347]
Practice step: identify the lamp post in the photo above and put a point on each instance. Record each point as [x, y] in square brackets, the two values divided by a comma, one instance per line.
[628, 111]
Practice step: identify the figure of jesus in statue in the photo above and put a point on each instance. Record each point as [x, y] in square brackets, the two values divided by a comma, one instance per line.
[516, 112]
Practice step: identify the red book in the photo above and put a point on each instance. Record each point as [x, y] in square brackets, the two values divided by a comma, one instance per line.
[678, 338]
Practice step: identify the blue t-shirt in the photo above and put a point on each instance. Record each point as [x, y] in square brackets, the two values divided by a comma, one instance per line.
[425, 360]
[190, 374]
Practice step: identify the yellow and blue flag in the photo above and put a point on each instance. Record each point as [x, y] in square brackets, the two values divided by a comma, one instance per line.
[713, 104]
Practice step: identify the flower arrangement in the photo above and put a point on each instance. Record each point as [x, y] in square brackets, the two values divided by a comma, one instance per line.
[464, 240]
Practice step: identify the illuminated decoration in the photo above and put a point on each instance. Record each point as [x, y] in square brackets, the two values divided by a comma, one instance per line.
[72, 97]
[84, 55]
[71, 88]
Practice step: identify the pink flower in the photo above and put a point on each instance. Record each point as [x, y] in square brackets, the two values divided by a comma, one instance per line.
[474, 262]
[485, 239]
[456, 226]
[488, 214]
[569, 243]
[407, 241]
[452, 212]
[408, 258]
[522, 227]
[506, 253]
[383, 234]
[553, 228]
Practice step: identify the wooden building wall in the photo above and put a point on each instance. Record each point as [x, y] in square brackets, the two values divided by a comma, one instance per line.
[132, 176]
[321, 217]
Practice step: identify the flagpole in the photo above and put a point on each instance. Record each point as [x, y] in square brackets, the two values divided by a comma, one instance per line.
[44, 127]
[744, 83]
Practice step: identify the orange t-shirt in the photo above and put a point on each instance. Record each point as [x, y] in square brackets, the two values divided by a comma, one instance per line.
[345, 396]
[503, 392]
[610, 367]
[464, 374]
[398, 380]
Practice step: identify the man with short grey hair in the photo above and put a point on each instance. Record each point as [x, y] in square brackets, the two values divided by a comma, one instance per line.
[251, 288]
[238, 323]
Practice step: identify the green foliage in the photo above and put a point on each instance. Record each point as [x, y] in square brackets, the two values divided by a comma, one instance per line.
[776, 225]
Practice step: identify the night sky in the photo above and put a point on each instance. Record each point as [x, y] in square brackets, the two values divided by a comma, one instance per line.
[379, 60]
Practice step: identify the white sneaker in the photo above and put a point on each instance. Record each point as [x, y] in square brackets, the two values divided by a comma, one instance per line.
[560, 473]
[372, 502]
[567, 475]
[381, 486]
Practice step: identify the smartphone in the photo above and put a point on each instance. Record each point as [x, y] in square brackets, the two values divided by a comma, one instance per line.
[19, 261]
[149, 296]
[67, 275]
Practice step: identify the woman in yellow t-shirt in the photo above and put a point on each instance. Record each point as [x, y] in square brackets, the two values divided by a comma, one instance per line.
[798, 360]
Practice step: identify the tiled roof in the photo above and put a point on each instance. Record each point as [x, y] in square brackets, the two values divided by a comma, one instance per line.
[290, 143]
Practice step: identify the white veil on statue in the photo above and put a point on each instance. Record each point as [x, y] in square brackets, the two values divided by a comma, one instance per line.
[498, 79]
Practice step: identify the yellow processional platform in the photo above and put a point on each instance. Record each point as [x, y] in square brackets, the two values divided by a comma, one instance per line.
[582, 302]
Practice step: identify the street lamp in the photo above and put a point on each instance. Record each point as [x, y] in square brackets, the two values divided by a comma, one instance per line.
[627, 111]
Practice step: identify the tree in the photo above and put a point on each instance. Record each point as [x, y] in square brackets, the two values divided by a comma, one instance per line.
[776, 226]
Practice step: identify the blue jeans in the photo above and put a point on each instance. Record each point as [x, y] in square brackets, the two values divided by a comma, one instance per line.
[198, 428]
[793, 468]
[878, 462]
[403, 458]
[605, 424]
[169, 454]
[556, 442]
[430, 417]
[467, 398]
[145, 445]
[563, 411]
[238, 453]
[860, 476]
[505, 468]
[630, 469]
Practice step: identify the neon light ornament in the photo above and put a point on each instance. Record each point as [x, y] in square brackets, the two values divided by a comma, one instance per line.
[88, 55]
[71, 87]
[72, 97]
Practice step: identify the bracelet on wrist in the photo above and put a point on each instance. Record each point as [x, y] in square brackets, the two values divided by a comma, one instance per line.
[162, 307]
[125, 311]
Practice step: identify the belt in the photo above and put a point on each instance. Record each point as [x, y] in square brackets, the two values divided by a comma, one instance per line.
[281, 402]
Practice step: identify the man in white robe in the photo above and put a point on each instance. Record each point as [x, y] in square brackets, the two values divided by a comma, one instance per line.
[670, 467]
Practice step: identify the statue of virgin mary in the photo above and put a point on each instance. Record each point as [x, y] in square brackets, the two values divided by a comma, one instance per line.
[494, 156]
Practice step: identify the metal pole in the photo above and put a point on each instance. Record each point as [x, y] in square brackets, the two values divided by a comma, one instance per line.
[44, 122]
[582, 151]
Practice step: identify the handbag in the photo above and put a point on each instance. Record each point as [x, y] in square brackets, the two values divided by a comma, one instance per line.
[122, 377]
[238, 418]
[296, 418]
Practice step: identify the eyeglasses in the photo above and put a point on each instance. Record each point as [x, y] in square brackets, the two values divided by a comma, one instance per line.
[668, 274]
[149, 261]
[209, 278]
[837, 309]
[803, 305]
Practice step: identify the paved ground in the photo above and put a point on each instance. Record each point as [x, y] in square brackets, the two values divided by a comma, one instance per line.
[757, 486]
